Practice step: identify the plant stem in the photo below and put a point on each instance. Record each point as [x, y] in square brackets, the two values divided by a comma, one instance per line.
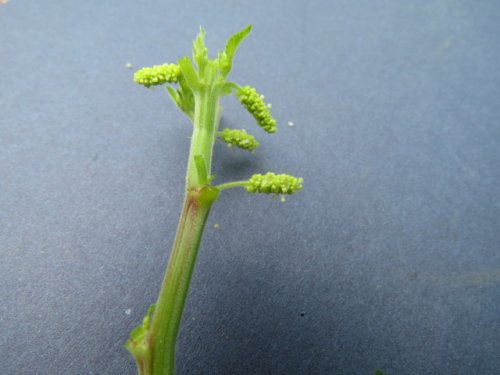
[169, 307]
[162, 333]
[228, 185]
[206, 121]
[201, 85]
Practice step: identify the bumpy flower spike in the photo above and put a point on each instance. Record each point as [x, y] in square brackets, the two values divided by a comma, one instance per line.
[254, 103]
[157, 75]
[238, 138]
[272, 183]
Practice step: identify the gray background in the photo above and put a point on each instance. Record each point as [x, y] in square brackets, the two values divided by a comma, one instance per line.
[391, 251]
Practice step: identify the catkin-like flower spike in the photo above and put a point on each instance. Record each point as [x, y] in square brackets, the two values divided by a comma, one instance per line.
[157, 75]
[254, 103]
[271, 183]
[238, 138]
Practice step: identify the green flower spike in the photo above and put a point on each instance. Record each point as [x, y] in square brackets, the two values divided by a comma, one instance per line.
[272, 183]
[238, 138]
[157, 75]
[254, 103]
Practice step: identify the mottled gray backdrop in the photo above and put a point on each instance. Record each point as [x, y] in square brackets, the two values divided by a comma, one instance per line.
[389, 258]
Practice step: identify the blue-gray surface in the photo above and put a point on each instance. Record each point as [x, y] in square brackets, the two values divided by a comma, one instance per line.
[390, 256]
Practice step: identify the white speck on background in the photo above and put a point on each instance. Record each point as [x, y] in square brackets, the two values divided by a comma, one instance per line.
[128, 311]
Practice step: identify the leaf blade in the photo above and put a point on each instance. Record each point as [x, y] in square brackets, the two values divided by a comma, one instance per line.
[231, 46]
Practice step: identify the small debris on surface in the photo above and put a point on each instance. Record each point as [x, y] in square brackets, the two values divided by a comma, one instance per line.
[216, 226]
[302, 313]
[128, 311]
[290, 124]
[128, 65]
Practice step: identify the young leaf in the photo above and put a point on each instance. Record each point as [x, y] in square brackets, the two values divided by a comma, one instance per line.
[175, 96]
[226, 57]
[186, 98]
[137, 344]
[189, 74]
[200, 52]
[182, 99]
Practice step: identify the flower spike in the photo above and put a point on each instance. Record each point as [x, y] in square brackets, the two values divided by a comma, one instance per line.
[272, 183]
[238, 138]
[254, 103]
[157, 75]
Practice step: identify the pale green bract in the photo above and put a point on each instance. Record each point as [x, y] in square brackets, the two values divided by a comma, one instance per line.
[271, 183]
[239, 138]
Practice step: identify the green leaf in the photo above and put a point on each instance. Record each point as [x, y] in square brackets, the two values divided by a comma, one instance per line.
[175, 96]
[137, 344]
[200, 52]
[378, 372]
[187, 98]
[189, 74]
[183, 99]
[226, 57]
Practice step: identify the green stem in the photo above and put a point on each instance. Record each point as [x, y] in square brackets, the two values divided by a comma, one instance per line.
[206, 121]
[162, 333]
[228, 185]
[170, 305]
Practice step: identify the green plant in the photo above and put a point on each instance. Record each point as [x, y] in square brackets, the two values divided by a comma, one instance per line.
[199, 90]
